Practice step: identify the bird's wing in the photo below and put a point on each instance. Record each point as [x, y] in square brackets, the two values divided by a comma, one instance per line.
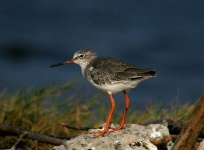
[135, 73]
[110, 70]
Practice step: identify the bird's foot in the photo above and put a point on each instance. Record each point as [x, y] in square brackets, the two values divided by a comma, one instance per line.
[118, 128]
[104, 128]
[100, 133]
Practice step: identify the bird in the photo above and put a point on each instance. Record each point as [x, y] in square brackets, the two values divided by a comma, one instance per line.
[111, 75]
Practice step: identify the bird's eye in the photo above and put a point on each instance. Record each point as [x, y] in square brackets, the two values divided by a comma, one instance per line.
[81, 56]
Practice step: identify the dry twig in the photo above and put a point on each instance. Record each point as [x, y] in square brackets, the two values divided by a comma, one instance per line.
[14, 130]
[75, 127]
[18, 141]
[192, 128]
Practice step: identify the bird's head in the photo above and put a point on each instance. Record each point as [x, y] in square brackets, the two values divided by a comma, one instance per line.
[81, 57]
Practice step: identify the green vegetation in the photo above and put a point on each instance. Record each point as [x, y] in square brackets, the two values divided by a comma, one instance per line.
[44, 110]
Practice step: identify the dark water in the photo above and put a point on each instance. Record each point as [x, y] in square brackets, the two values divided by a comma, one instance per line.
[166, 35]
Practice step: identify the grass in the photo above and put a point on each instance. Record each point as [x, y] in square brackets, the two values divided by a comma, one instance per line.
[44, 109]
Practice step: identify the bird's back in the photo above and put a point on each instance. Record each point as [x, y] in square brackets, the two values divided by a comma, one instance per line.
[107, 70]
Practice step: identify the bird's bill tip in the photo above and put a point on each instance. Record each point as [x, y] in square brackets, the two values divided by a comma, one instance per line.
[63, 63]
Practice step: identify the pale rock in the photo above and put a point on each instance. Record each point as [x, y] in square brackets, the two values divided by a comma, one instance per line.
[132, 137]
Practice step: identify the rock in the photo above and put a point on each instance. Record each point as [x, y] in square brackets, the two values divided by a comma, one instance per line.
[133, 136]
[201, 146]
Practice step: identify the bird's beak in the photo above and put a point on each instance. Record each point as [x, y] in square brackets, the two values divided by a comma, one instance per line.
[64, 62]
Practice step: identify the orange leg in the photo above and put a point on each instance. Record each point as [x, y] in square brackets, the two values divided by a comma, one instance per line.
[99, 133]
[127, 102]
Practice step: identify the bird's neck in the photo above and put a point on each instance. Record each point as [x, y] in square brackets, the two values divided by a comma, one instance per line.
[83, 67]
[85, 64]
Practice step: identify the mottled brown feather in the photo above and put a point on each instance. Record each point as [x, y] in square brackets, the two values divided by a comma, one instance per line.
[108, 70]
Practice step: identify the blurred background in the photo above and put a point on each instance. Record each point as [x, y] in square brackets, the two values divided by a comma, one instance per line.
[165, 35]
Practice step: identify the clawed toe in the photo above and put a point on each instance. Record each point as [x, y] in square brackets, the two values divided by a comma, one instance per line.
[99, 133]
[102, 132]
[117, 128]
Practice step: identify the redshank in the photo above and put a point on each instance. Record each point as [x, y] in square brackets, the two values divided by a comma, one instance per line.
[111, 75]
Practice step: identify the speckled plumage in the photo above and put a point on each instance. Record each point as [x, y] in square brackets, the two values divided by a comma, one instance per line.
[111, 74]
[107, 70]
[108, 74]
